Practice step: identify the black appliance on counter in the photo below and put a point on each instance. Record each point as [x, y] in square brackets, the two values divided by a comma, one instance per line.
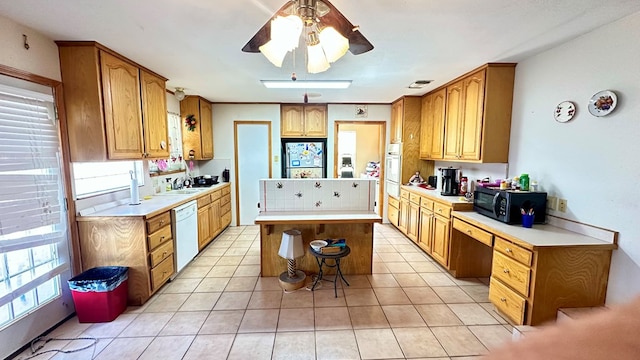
[506, 205]
[204, 181]
[449, 182]
[225, 175]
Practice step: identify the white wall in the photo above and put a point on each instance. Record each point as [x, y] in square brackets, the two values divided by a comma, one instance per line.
[589, 161]
[42, 56]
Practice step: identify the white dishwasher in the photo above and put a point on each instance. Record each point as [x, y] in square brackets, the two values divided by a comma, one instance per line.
[185, 233]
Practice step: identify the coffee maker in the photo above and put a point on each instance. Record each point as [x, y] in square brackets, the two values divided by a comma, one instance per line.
[449, 182]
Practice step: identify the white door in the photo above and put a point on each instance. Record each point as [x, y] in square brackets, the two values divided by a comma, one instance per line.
[253, 162]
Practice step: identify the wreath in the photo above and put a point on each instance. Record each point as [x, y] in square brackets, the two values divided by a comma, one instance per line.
[190, 122]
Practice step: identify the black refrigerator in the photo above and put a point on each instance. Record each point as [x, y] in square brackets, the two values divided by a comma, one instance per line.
[304, 158]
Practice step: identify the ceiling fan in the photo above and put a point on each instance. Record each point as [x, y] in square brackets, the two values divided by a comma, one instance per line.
[315, 17]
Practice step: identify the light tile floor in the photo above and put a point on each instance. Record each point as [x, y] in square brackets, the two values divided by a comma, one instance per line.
[219, 307]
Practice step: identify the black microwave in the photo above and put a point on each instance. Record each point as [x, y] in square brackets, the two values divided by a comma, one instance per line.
[506, 205]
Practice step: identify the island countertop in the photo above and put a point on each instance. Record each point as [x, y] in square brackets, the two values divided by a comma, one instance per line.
[317, 217]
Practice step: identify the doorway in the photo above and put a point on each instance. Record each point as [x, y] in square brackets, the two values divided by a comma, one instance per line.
[362, 144]
[252, 163]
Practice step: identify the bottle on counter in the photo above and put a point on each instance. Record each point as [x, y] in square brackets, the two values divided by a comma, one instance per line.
[515, 183]
[464, 185]
[524, 182]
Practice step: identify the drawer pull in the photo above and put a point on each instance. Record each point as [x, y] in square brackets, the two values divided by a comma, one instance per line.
[469, 231]
[162, 238]
[440, 210]
[161, 222]
[506, 271]
[164, 254]
[503, 299]
[508, 250]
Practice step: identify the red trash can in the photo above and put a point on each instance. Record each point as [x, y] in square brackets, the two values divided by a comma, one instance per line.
[100, 294]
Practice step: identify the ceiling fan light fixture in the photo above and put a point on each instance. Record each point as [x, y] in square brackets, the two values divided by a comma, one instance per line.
[333, 43]
[273, 52]
[316, 60]
[286, 30]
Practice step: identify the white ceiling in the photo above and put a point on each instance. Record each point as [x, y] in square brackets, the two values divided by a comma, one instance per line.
[196, 43]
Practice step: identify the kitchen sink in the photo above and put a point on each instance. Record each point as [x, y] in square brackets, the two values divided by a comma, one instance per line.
[181, 192]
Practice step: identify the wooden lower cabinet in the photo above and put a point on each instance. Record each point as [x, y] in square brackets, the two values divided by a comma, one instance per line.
[441, 231]
[413, 221]
[403, 216]
[425, 235]
[214, 215]
[393, 211]
[144, 245]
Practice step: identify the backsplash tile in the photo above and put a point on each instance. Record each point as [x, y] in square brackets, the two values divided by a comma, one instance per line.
[317, 194]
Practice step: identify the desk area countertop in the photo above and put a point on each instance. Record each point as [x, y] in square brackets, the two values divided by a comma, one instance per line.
[154, 206]
[540, 235]
[317, 217]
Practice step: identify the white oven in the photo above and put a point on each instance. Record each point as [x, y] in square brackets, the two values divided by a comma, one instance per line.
[393, 170]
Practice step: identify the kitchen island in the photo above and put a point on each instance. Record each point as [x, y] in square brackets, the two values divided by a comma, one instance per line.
[356, 227]
[320, 209]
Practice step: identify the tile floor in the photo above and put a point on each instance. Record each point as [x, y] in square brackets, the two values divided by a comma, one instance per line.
[219, 308]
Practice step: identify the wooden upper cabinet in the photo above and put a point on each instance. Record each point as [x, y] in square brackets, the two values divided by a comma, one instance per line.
[397, 112]
[206, 129]
[432, 126]
[315, 124]
[198, 143]
[107, 104]
[303, 120]
[154, 110]
[453, 120]
[478, 115]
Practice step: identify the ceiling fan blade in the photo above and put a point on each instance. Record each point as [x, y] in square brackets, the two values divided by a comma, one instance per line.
[358, 44]
[264, 34]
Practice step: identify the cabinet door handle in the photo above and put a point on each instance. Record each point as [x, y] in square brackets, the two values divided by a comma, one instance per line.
[503, 299]
[506, 271]
[164, 254]
[439, 210]
[162, 238]
[508, 250]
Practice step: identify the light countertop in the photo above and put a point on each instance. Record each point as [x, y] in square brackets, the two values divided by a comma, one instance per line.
[540, 235]
[435, 195]
[154, 206]
[317, 217]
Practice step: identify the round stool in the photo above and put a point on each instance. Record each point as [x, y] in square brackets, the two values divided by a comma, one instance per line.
[322, 260]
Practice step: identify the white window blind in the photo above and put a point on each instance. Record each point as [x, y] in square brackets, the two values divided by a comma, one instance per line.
[92, 178]
[32, 212]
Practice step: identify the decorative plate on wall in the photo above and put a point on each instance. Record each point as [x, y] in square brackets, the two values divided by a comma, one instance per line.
[603, 103]
[564, 111]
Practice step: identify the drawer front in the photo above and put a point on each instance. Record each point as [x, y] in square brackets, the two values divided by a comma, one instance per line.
[404, 194]
[226, 219]
[216, 195]
[414, 198]
[204, 201]
[394, 202]
[513, 251]
[226, 190]
[161, 273]
[156, 222]
[511, 273]
[226, 199]
[160, 253]
[225, 208]
[159, 237]
[508, 302]
[426, 203]
[442, 210]
[476, 233]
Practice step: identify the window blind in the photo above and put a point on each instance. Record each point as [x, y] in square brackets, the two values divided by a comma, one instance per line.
[32, 214]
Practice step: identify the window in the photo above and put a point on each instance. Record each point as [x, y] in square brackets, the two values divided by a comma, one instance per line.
[92, 178]
[33, 225]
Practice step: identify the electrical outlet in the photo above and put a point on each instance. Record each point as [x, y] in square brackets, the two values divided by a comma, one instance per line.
[551, 202]
[562, 205]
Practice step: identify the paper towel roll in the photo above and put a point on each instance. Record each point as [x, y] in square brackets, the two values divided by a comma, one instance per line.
[133, 192]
